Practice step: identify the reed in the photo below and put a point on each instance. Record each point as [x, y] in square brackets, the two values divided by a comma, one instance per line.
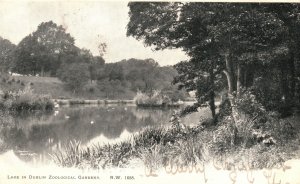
[25, 100]
[157, 147]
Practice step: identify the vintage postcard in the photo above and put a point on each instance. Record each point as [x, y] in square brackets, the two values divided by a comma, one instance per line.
[96, 92]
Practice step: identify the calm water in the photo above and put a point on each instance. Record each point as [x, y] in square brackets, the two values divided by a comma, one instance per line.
[39, 134]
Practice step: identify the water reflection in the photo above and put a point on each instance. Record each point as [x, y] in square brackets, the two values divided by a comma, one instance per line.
[41, 133]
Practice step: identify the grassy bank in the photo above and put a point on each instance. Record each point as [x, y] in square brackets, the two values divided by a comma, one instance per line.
[157, 147]
[56, 88]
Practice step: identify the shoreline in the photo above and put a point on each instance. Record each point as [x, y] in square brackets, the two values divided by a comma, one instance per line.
[104, 101]
[87, 102]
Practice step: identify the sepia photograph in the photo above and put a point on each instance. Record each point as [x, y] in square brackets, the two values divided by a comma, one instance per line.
[134, 92]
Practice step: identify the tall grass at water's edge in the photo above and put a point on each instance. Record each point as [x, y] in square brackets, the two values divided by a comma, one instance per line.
[25, 100]
[157, 147]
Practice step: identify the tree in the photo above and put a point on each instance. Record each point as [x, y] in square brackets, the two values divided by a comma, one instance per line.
[237, 35]
[136, 75]
[112, 71]
[206, 83]
[42, 50]
[111, 88]
[25, 60]
[6, 54]
[75, 75]
[80, 58]
[288, 13]
[95, 67]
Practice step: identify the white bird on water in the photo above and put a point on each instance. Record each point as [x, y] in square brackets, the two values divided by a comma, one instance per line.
[67, 117]
[56, 113]
[56, 105]
[92, 122]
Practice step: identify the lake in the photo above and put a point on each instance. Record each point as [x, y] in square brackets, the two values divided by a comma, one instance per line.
[36, 135]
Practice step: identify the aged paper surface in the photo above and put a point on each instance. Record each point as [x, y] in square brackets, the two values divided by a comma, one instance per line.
[92, 22]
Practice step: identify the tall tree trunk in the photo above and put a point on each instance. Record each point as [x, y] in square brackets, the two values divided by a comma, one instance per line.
[230, 81]
[239, 79]
[212, 96]
[229, 74]
[245, 78]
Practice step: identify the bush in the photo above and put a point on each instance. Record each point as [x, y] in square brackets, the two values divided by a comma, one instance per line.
[155, 98]
[25, 100]
[255, 125]
[252, 118]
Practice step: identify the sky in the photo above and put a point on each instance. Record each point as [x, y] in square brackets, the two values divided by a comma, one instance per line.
[89, 23]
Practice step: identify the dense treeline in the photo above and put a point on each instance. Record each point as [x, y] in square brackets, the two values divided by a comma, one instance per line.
[51, 51]
[137, 75]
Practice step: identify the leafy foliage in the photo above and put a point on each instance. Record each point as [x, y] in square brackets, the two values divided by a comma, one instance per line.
[241, 40]
[137, 75]
[42, 50]
[6, 54]
[75, 75]
[25, 100]
[155, 98]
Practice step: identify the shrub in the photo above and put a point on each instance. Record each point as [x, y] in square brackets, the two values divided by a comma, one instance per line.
[155, 98]
[25, 100]
[252, 118]
[255, 124]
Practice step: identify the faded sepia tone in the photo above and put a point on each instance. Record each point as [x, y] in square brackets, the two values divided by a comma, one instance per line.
[149, 92]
